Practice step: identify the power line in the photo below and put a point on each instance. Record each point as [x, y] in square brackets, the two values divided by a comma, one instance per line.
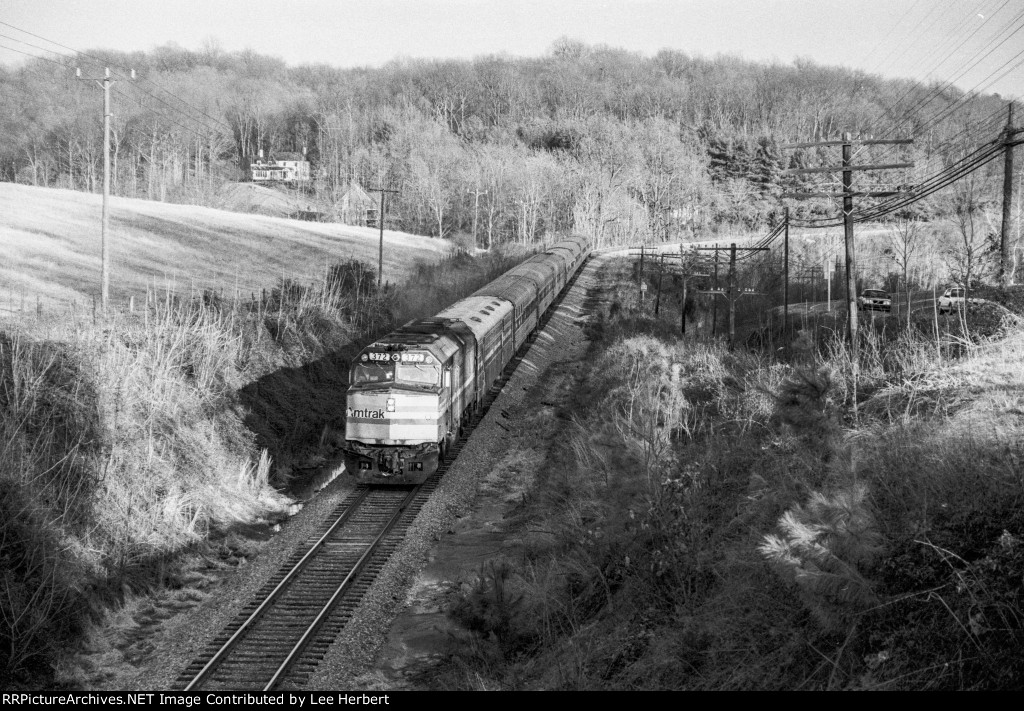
[944, 178]
[161, 115]
[136, 101]
[942, 87]
[892, 28]
[34, 56]
[103, 62]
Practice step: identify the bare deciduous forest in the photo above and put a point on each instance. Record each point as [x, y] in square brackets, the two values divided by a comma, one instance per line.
[611, 143]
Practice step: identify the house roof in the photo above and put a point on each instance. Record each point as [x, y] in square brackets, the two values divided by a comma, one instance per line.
[356, 195]
[288, 156]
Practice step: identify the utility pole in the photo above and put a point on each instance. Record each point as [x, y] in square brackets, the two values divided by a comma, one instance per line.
[476, 211]
[851, 270]
[104, 84]
[1005, 273]
[714, 303]
[643, 284]
[682, 297]
[380, 253]
[661, 274]
[848, 194]
[828, 280]
[785, 271]
[732, 293]
[684, 273]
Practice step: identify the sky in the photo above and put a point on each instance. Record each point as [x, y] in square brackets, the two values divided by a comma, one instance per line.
[975, 44]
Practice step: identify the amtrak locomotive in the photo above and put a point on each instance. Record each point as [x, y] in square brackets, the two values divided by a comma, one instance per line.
[411, 392]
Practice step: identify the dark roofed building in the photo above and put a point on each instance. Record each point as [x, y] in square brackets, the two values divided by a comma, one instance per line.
[357, 207]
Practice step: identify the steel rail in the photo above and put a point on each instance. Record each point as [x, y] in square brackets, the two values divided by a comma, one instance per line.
[219, 656]
[357, 568]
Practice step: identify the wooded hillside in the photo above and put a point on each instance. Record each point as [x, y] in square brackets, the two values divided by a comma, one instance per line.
[617, 145]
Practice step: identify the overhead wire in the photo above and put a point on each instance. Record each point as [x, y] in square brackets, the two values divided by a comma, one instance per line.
[910, 89]
[888, 58]
[944, 178]
[136, 101]
[161, 115]
[102, 62]
[984, 125]
[975, 93]
[892, 28]
[918, 33]
[941, 49]
[940, 88]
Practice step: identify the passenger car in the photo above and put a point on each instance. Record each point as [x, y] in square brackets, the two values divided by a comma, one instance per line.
[954, 298]
[874, 300]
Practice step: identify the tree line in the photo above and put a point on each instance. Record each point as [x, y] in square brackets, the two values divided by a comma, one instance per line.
[621, 146]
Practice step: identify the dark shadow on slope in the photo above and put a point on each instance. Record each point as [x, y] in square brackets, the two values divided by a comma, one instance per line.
[298, 416]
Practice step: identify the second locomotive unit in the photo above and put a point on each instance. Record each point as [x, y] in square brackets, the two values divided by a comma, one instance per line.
[411, 391]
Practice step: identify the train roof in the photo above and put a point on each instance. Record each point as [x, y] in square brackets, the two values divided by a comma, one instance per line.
[479, 313]
[537, 268]
[438, 336]
[510, 287]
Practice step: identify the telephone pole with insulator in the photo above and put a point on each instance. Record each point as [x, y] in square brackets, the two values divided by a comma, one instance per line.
[105, 83]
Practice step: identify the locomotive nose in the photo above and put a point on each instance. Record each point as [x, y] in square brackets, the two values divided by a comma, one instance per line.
[392, 418]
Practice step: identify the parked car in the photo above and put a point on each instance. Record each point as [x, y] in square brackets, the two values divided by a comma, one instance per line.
[874, 300]
[953, 298]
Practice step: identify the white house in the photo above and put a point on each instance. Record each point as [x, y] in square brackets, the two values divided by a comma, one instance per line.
[281, 167]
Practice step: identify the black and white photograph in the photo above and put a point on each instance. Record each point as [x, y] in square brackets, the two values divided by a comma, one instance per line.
[351, 351]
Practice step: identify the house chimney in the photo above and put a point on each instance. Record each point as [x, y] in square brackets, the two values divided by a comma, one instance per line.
[261, 154]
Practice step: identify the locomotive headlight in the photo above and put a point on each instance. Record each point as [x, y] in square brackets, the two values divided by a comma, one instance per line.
[390, 407]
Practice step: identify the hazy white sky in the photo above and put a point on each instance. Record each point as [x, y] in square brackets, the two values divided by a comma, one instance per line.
[943, 40]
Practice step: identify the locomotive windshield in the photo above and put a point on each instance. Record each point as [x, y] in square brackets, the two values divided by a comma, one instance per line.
[417, 374]
[383, 372]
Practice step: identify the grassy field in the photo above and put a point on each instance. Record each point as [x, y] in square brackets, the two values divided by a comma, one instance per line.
[51, 244]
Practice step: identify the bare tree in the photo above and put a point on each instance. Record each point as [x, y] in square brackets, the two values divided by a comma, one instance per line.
[905, 244]
[973, 219]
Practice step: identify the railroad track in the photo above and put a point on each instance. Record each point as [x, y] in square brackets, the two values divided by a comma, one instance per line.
[278, 639]
[280, 636]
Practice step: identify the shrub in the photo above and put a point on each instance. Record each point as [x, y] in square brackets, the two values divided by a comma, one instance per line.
[825, 548]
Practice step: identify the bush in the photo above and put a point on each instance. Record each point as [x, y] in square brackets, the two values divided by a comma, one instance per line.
[41, 596]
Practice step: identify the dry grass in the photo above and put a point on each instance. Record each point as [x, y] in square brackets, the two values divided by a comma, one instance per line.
[52, 251]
